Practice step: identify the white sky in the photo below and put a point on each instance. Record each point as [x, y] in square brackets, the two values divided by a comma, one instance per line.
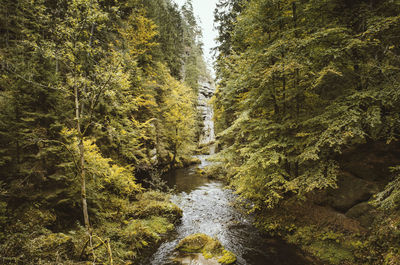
[204, 10]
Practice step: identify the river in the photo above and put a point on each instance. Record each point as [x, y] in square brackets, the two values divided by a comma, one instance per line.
[209, 208]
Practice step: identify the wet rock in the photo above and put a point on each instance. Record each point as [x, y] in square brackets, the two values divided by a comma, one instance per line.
[203, 249]
[371, 161]
[351, 191]
[194, 259]
[362, 212]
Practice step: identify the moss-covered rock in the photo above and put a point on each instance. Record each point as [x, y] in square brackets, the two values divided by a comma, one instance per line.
[227, 257]
[209, 247]
[194, 243]
[155, 204]
[320, 232]
[363, 212]
[331, 252]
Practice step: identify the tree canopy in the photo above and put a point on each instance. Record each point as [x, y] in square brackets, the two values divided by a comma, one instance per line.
[300, 82]
[95, 97]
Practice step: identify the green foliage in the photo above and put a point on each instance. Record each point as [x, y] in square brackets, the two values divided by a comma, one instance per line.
[179, 117]
[300, 82]
[392, 257]
[136, 227]
[109, 176]
[331, 252]
[129, 235]
[92, 91]
[168, 19]
[51, 247]
[389, 198]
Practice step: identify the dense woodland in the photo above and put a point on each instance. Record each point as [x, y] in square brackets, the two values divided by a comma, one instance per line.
[307, 109]
[97, 100]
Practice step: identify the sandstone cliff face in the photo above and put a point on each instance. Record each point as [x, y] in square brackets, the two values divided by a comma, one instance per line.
[206, 91]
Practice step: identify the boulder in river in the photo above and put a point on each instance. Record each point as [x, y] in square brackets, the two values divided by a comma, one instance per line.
[202, 249]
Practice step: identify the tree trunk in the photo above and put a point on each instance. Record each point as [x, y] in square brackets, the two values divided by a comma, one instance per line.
[175, 149]
[297, 89]
[294, 9]
[81, 162]
[17, 145]
[83, 184]
[283, 88]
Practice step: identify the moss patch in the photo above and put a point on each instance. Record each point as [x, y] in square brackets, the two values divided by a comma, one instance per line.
[331, 252]
[227, 258]
[51, 246]
[208, 246]
[216, 171]
[155, 204]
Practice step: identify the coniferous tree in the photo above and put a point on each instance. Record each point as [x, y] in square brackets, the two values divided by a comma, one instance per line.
[88, 92]
[302, 83]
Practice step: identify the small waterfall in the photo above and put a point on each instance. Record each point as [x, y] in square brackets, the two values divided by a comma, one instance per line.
[207, 136]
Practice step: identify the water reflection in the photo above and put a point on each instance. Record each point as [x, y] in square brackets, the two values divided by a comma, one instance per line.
[188, 179]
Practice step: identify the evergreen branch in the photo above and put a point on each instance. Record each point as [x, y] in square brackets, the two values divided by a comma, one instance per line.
[97, 97]
[10, 70]
[66, 147]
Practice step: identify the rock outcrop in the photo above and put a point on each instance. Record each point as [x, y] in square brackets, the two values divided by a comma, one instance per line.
[206, 91]
[362, 212]
[350, 192]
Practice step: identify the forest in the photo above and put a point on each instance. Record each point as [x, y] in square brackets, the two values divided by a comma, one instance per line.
[101, 99]
[307, 109]
[97, 99]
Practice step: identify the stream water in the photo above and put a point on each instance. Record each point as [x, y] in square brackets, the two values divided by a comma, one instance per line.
[208, 208]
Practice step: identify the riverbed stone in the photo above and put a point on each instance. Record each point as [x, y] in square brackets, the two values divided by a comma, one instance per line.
[203, 249]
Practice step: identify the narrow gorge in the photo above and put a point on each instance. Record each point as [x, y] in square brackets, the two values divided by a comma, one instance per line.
[192, 132]
[213, 210]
